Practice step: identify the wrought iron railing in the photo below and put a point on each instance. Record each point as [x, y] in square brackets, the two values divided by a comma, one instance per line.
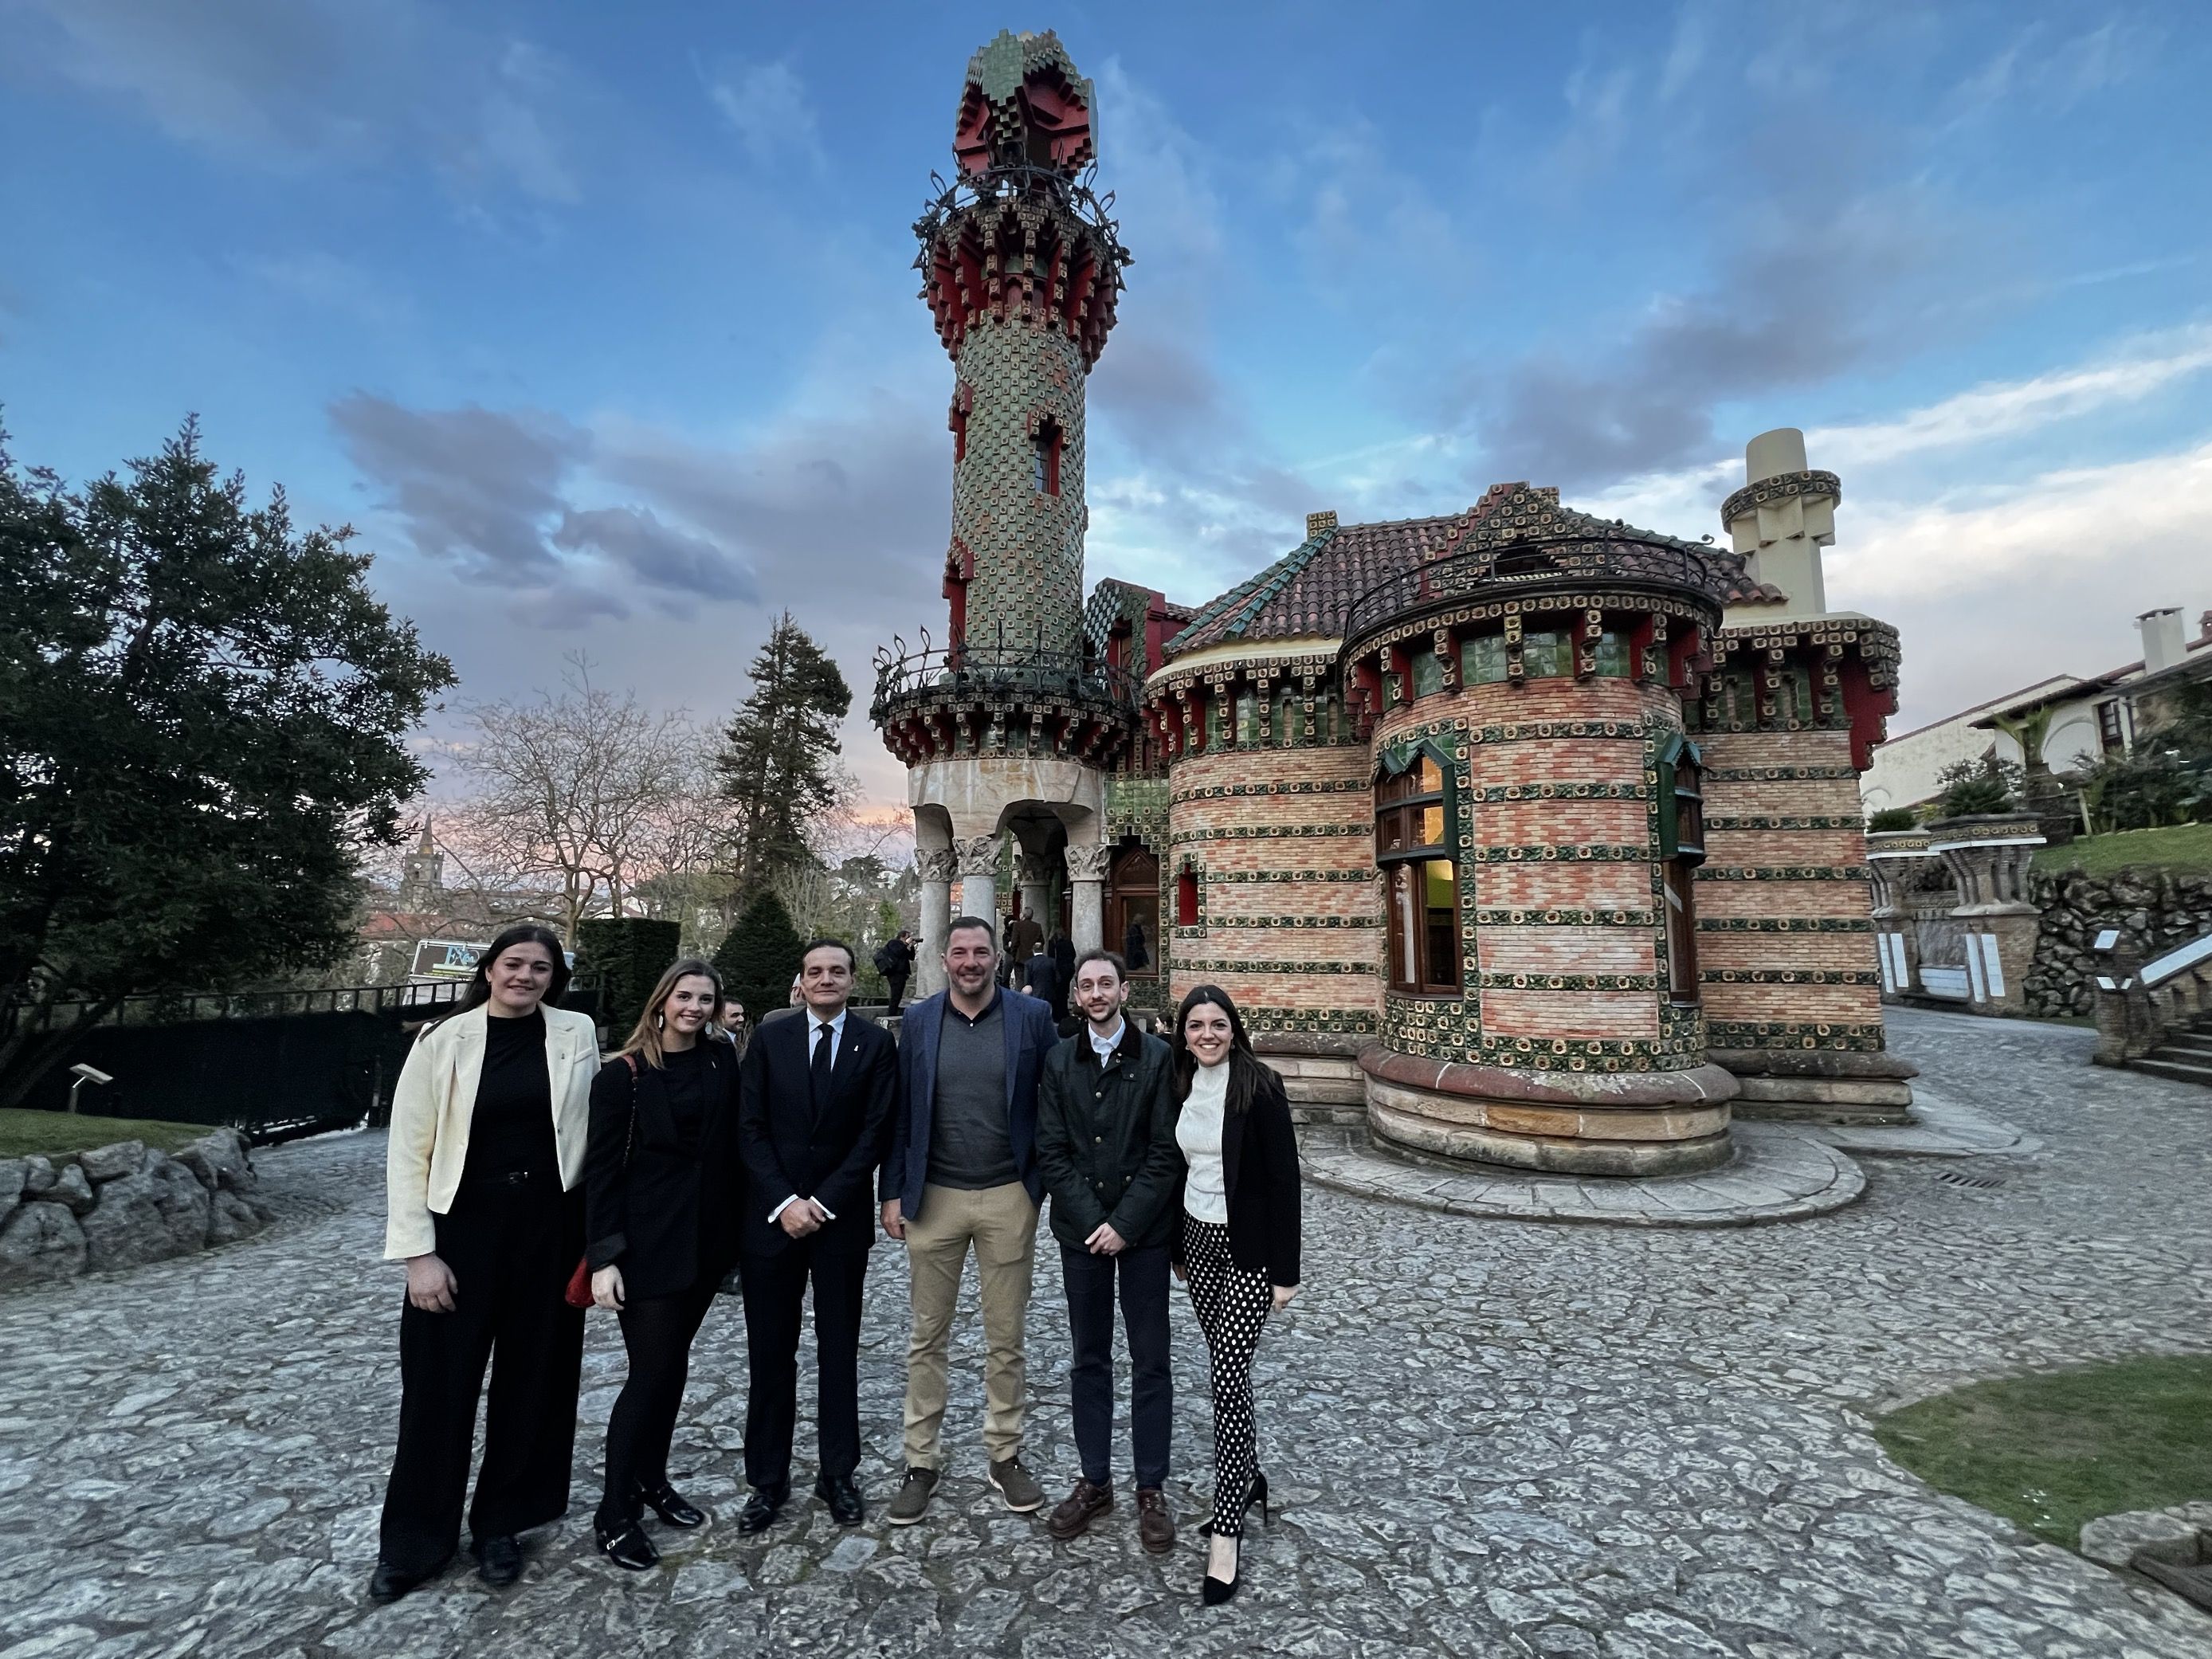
[415, 998]
[1522, 563]
[961, 669]
[1077, 196]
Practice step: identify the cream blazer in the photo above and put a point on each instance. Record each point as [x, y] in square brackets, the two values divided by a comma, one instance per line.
[435, 1100]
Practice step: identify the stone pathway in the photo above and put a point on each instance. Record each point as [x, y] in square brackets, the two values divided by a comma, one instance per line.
[1489, 1438]
[1781, 1172]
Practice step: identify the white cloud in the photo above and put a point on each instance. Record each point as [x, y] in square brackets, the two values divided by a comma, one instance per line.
[767, 104]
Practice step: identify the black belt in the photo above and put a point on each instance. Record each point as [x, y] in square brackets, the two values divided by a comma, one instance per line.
[511, 1178]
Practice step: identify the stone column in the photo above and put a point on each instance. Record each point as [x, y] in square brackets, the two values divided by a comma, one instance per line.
[1895, 859]
[934, 866]
[977, 859]
[1086, 871]
[1034, 873]
[1988, 858]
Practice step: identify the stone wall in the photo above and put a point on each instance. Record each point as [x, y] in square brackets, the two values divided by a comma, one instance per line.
[2161, 910]
[120, 1205]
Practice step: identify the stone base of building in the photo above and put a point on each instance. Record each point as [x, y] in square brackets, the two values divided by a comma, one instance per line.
[1324, 1087]
[1819, 1085]
[1605, 1123]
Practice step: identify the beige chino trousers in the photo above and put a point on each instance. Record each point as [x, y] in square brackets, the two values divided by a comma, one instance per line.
[1001, 1224]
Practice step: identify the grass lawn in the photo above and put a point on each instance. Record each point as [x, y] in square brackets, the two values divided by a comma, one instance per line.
[2183, 847]
[54, 1133]
[2050, 1452]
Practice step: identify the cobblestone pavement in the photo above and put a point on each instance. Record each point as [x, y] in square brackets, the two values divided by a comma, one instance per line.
[1489, 1438]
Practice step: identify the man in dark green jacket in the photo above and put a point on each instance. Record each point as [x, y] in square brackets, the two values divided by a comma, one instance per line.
[1106, 1149]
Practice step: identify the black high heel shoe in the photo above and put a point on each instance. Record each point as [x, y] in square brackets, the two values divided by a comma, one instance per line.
[672, 1506]
[1257, 1495]
[1213, 1592]
[626, 1545]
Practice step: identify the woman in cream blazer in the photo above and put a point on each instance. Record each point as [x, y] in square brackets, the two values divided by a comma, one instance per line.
[483, 1178]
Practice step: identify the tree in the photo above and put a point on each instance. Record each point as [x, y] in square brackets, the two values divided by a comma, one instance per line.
[758, 959]
[204, 717]
[778, 762]
[588, 791]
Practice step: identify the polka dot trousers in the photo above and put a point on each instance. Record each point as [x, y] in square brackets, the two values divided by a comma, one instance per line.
[1231, 1306]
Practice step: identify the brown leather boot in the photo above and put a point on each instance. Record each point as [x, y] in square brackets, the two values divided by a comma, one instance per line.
[1078, 1510]
[1155, 1526]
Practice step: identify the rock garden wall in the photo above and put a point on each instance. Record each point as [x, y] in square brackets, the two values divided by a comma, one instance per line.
[2162, 911]
[119, 1206]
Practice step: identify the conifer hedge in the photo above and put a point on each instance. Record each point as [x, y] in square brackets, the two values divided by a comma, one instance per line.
[759, 956]
[623, 957]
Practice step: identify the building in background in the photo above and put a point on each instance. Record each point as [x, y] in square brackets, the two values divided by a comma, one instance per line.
[2090, 717]
[1529, 836]
[422, 931]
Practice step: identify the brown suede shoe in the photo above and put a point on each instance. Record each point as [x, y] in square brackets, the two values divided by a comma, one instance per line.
[1155, 1526]
[1078, 1510]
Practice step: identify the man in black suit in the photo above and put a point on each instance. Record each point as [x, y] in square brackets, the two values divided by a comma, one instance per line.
[814, 1116]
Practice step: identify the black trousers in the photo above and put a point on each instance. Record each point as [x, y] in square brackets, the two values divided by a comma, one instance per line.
[511, 1249]
[1143, 1275]
[897, 982]
[775, 1289]
[1232, 1306]
[658, 1333]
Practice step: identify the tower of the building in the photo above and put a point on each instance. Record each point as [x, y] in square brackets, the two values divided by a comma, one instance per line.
[1021, 271]
[422, 876]
[1010, 726]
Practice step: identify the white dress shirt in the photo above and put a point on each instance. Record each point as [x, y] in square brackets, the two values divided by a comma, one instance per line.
[815, 1026]
[1103, 1047]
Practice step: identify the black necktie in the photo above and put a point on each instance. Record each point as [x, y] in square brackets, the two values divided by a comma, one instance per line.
[820, 1076]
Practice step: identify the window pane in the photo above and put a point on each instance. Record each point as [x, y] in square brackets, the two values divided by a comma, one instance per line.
[1405, 929]
[1545, 656]
[1482, 662]
[1428, 674]
[1430, 777]
[1440, 893]
[1613, 655]
[1432, 826]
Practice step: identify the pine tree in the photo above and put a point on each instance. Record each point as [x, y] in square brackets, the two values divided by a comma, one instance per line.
[779, 764]
[759, 956]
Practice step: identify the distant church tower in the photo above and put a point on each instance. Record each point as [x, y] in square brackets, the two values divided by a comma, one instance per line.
[1011, 724]
[423, 877]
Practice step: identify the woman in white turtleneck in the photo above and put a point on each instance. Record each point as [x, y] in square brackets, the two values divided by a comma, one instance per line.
[1237, 1248]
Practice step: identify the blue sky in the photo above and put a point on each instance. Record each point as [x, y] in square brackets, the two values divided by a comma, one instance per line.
[598, 321]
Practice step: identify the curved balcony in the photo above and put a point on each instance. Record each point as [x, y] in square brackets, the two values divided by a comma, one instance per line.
[933, 702]
[1534, 563]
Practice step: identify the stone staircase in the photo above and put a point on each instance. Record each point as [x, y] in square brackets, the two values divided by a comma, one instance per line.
[2184, 1055]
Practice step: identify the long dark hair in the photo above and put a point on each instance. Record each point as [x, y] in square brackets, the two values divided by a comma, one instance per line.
[1248, 1073]
[528, 933]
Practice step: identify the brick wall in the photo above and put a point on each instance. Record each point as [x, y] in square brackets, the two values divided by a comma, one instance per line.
[1785, 944]
[1282, 844]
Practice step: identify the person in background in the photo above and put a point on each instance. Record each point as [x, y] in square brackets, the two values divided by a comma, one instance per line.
[1025, 937]
[817, 1110]
[661, 1182]
[792, 1005]
[962, 1173]
[895, 962]
[1237, 1247]
[483, 1175]
[1106, 1147]
[1133, 946]
[1038, 978]
[1062, 952]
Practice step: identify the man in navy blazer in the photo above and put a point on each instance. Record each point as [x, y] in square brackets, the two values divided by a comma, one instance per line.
[815, 1103]
[963, 1171]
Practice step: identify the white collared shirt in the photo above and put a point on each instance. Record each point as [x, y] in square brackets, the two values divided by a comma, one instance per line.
[814, 1024]
[1103, 1047]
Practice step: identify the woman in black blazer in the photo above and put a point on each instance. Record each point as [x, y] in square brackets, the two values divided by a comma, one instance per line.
[661, 1179]
[1237, 1248]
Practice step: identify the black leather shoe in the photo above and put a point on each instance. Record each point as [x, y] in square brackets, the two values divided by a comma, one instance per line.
[760, 1511]
[672, 1506]
[626, 1545]
[389, 1584]
[499, 1559]
[1213, 1592]
[842, 1494]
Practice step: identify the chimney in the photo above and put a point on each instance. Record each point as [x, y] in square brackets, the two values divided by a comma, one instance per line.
[1782, 518]
[2161, 638]
[1319, 524]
